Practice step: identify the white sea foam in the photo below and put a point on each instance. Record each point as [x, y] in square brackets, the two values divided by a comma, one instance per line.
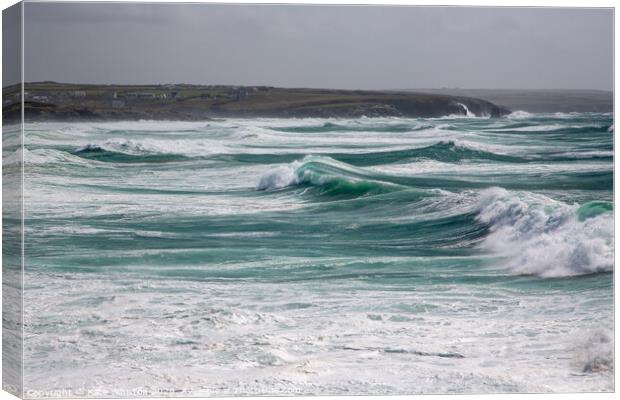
[158, 146]
[488, 168]
[535, 128]
[467, 112]
[279, 177]
[565, 115]
[544, 237]
[519, 114]
[42, 157]
[507, 344]
[14, 158]
[296, 172]
[587, 154]
[595, 352]
[489, 148]
[118, 145]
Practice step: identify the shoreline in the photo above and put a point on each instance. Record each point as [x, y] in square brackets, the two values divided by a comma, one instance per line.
[50, 101]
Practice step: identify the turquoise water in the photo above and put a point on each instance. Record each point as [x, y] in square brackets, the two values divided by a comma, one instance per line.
[311, 256]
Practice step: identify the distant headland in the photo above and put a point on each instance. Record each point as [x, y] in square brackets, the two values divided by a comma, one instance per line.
[539, 100]
[52, 101]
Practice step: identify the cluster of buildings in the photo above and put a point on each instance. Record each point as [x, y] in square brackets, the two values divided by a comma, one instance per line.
[121, 99]
[142, 95]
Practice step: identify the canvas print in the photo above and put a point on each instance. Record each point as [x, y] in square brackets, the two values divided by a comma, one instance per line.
[235, 200]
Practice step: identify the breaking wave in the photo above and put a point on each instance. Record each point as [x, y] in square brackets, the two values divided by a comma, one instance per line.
[330, 177]
[126, 152]
[545, 237]
[519, 114]
[468, 113]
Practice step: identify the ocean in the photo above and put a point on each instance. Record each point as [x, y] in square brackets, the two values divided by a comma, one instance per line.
[319, 256]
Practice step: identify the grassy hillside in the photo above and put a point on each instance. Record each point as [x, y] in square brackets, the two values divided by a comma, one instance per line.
[58, 101]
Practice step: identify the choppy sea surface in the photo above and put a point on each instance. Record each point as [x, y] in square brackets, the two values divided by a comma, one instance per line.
[313, 256]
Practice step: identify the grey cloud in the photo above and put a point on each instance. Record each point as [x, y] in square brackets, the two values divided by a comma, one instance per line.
[365, 47]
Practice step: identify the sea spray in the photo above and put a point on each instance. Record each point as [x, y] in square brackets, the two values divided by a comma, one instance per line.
[544, 237]
[330, 177]
[468, 113]
[279, 177]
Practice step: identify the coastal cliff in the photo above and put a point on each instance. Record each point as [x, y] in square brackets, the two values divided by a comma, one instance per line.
[49, 101]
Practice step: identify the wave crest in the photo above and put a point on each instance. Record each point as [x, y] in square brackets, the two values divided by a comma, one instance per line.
[545, 237]
[126, 151]
[279, 177]
[328, 176]
[520, 114]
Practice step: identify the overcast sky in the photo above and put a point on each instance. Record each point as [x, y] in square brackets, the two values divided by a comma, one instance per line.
[363, 47]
